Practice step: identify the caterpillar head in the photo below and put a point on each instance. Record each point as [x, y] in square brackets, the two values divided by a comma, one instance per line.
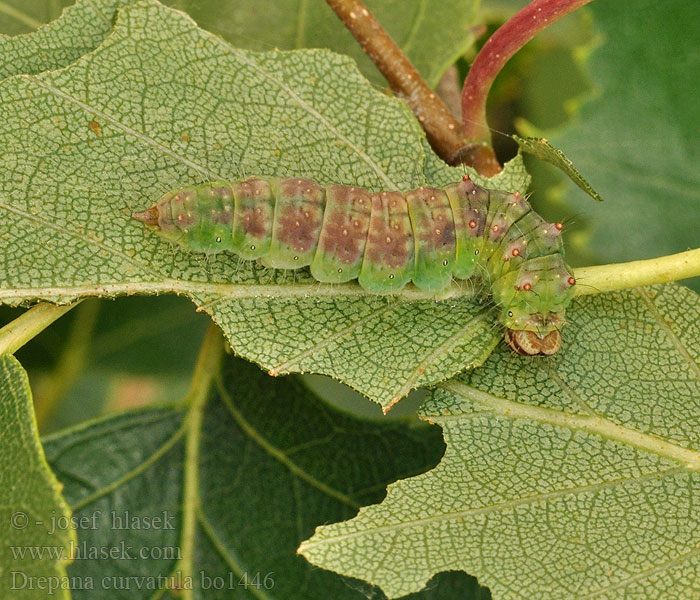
[530, 343]
[531, 332]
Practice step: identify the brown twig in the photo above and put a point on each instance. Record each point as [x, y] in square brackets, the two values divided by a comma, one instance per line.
[497, 50]
[442, 129]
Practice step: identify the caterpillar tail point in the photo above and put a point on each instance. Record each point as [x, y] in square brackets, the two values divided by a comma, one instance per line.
[148, 216]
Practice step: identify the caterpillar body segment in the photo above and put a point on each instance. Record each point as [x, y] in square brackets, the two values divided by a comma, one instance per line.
[389, 262]
[435, 240]
[341, 244]
[385, 240]
[252, 220]
[469, 203]
[296, 224]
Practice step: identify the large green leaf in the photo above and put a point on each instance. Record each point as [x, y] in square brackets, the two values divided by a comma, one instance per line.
[637, 141]
[239, 480]
[78, 31]
[37, 537]
[162, 103]
[433, 33]
[572, 477]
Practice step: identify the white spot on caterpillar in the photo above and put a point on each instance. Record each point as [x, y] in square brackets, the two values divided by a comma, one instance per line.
[218, 239]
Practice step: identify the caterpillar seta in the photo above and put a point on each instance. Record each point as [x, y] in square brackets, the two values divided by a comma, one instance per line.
[385, 240]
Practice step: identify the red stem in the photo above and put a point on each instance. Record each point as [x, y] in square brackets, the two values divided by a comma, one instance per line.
[497, 51]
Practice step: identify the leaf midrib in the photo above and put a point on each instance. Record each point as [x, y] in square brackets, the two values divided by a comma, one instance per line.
[278, 454]
[230, 291]
[594, 424]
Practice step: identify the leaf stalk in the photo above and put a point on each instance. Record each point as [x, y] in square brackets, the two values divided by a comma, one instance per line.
[205, 372]
[18, 332]
[622, 276]
[496, 52]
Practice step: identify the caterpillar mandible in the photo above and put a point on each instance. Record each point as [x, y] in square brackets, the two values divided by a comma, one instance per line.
[384, 240]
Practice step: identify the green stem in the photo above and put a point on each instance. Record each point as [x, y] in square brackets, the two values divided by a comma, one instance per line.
[205, 372]
[18, 332]
[70, 365]
[621, 276]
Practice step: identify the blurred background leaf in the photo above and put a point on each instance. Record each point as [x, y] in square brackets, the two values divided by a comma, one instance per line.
[273, 462]
[433, 33]
[636, 137]
[32, 548]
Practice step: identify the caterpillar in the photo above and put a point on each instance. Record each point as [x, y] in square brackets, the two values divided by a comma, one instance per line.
[384, 240]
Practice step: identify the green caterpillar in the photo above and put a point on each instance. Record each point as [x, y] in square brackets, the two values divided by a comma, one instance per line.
[384, 240]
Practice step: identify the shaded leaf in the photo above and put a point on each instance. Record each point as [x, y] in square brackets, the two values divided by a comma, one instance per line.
[87, 145]
[571, 477]
[36, 538]
[18, 17]
[542, 149]
[637, 138]
[270, 462]
[80, 29]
